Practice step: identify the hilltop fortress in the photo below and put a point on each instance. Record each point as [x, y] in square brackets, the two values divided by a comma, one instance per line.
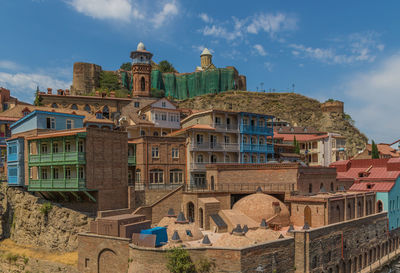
[145, 75]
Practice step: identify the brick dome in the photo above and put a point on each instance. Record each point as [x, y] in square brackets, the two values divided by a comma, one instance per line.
[260, 206]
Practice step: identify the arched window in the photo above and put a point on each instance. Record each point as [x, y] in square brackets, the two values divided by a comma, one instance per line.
[54, 105]
[156, 176]
[379, 206]
[332, 188]
[213, 159]
[155, 134]
[200, 159]
[87, 108]
[321, 185]
[176, 176]
[261, 141]
[142, 133]
[106, 112]
[254, 140]
[74, 107]
[254, 159]
[142, 84]
[307, 216]
[310, 188]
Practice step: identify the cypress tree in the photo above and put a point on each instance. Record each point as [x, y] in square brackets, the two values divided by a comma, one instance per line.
[375, 152]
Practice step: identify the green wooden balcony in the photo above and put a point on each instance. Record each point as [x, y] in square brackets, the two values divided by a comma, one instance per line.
[63, 184]
[132, 160]
[57, 158]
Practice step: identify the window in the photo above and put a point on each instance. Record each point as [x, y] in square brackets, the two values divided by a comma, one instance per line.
[309, 188]
[44, 173]
[156, 176]
[55, 173]
[164, 104]
[74, 107]
[227, 158]
[137, 176]
[44, 148]
[200, 159]
[154, 152]
[156, 116]
[155, 134]
[25, 112]
[81, 147]
[261, 141]
[217, 120]
[244, 139]
[213, 159]
[136, 104]
[142, 84]
[245, 121]
[227, 139]
[199, 139]
[199, 180]
[67, 172]
[106, 112]
[67, 147]
[55, 147]
[81, 173]
[54, 105]
[261, 123]
[12, 171]
[262, 158]
[175, 152]
[176, 176]
[70, 124]
[50, 123]
[87, 108]
[164, 117]
[253, 159]
[245, 158]
[142, 133]
[12, 149]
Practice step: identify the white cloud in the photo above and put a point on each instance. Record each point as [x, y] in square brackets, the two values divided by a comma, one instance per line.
[373, 100]
[24, 84]
[8, 65]
[206, 19]
[268, 66]
[356, 47]
[271, 23]
[239, 28]
[200, 48]
[104, 9]
[169, 10]
[260, 49]
[127, 10]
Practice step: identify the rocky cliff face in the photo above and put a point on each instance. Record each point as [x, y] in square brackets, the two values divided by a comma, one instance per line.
[294, 108]
[25, 219]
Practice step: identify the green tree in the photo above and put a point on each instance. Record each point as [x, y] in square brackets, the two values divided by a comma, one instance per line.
[375, 152]
[179, 261]
[38, 99]
[296, 146]
[165, 66]
[126, 66]
[157, 93]
[109, 80]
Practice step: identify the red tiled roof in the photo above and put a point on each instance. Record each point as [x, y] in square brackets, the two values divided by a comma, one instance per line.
[375, 187]
[70, 132]
[299, 137]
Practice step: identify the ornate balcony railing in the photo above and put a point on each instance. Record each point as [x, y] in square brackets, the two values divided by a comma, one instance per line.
[227, 147]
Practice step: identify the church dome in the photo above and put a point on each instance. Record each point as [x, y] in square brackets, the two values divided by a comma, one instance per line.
[140, 46]
[260, 206]
[205, 52]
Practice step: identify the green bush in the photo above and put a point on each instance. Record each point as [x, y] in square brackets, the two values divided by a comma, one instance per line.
[157, 93]
[204, 266]
[46, 208]
[109, 80]
[12, 258]
[26, 260]
[179, 261]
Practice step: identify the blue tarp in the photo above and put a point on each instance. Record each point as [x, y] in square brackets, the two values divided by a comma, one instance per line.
[160, 232]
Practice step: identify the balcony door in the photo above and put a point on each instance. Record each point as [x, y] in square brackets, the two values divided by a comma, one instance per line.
[213, 141]
[228, 123]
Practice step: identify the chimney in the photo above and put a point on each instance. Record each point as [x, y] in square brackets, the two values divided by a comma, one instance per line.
[112, 94]
[67, 92]
[49, 91]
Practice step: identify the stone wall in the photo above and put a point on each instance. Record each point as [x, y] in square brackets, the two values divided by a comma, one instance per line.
[332, 107]
[86, 78]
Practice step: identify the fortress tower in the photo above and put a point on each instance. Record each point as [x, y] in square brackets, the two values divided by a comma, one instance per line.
[141, 71]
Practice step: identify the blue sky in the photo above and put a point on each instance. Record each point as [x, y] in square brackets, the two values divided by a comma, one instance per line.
[338, 49]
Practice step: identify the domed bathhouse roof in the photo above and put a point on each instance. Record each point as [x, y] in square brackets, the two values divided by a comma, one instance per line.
[140, 46]
[205, 52]
[259, 206]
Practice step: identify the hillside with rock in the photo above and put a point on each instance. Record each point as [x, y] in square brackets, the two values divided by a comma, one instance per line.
[297, 109]
[27, 219]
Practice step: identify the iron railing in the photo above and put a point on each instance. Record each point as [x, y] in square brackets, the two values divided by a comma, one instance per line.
[234, 147]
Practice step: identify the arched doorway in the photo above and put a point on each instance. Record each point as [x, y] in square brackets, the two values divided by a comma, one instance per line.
[379, 206]
[190, 212]
[201, 223]
[307, 216]
[106, 258]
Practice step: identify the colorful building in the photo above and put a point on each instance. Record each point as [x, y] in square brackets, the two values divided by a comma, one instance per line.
[375, 175]
[317, 148]
[15, 162]
[217, 136]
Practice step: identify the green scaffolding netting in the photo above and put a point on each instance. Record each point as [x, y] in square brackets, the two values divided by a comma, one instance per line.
[183, 86]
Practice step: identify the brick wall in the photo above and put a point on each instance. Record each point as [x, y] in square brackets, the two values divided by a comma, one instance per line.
[99, 253]
[107, 167]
